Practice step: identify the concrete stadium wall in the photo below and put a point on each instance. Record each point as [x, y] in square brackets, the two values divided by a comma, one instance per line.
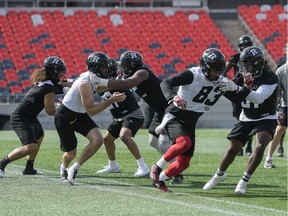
[220, 116]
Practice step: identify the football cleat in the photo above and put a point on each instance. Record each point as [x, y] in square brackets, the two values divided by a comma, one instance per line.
[280, 151]
[214, 181]
[154, 173]
[109, 169]
[177, 179]
[161, 186]
[31, 172]
[241, 187]
[268, 164]
[142, 172]
[1, 173]
[71, 175]
[63, 175]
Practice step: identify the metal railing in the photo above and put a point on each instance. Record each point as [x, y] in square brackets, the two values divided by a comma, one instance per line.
[101, 3]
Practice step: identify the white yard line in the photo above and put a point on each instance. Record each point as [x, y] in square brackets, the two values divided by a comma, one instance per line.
[150, 197]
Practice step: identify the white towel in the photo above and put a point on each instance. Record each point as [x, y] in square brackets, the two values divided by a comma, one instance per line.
[165, 119]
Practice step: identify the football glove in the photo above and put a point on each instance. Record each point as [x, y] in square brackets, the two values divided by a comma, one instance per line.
[179, 102]
[228, 85]
[248, 80]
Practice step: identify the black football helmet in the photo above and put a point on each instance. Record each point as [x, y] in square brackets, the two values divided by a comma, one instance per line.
[245, 41]
[54, 68]
[212, 59]
[251, 60]
[97, 61]
[130, 62]
[113, 67]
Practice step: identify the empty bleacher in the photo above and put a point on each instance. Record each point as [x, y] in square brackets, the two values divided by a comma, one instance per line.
[170, 40]
[269, 24]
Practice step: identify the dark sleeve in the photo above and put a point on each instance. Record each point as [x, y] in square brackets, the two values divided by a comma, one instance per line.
[58, 89]
[237, 97]
[183, 78]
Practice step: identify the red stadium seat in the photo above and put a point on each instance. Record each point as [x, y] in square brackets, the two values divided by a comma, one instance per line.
[16, 90]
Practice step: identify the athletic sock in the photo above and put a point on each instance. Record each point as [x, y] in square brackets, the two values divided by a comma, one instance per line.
[246, 177]
[4, 162]
[141, 163]
[62, 167]
[113, 163]
[76, 166]
[162, 162]
[220, 172]
[29, 165]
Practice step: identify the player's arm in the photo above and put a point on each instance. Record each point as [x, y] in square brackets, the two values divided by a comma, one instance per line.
[168, 86]
[261, 94]
[49, 105]
[136, 79]
[227, 69]
[87, 99]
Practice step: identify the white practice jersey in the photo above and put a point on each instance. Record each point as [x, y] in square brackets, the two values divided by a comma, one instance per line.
[72, 99]
[201, 94]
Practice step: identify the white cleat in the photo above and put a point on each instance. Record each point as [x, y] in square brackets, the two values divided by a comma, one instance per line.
[214, 181]
[63, 174]
[241, 187]
[142, 172]
[1, 173]
[268, 164]
[71, 175]
[108, 169]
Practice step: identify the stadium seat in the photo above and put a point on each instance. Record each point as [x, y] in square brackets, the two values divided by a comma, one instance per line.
[16, 90]
[42, 33]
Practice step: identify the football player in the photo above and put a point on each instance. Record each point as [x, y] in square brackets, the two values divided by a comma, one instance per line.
[199, 88]
[73, 115]
[281, 72]
[147, 86]
[24, 118]
[258, 116]
[243, 42]
[128, 118]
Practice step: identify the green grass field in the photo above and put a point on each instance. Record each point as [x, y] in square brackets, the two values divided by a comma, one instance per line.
[123, 194]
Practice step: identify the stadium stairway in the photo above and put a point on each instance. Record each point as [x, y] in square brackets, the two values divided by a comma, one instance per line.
[232, 29]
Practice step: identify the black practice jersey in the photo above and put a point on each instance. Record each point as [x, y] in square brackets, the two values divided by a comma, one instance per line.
[151, 93]
[121, 109]
[33, 102]
[268, 107]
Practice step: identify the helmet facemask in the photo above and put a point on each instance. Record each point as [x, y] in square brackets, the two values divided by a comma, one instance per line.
[251, 60]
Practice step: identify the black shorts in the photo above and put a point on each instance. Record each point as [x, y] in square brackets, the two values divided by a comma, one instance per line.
[284, 110]
[132, 123]
[67, 123]
[176, 128]
[243, 130]
[157, 119]
[26, 129]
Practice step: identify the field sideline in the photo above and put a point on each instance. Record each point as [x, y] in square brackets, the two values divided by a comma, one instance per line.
[123, 194]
